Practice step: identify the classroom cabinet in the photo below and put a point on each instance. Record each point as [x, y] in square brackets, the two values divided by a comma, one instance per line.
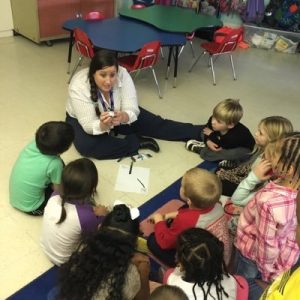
[41, 20]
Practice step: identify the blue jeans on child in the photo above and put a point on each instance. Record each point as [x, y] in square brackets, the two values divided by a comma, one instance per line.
[248, 269]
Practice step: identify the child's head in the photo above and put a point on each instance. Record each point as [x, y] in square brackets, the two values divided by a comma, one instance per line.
[201, 187]
[79, 181]
[102, 260]
[168, 292]
[119, 219]
[284, 156]
[201, 258]
[271, 129]
[298, 219]
[54, 138]
[227, 114]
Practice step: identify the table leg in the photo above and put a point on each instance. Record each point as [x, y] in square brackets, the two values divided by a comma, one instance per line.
[71, 38]
[175, 65]
[169, 61]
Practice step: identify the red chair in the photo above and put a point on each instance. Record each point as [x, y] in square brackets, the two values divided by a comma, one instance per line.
[84, 47]
[223, 43]
[95, 16]
[146, 58]
[189, 39]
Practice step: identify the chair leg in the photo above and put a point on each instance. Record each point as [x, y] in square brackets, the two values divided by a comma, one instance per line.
[75, 68]
[195, 62]
[232, 66]
[192, 49]
[180, 51]
[212, 69]
[156, 82]
[162, 53]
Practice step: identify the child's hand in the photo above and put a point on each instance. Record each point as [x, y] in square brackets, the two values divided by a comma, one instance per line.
[156, 218]
[171, 215]
[219, 172]
[207, 131]
[261, 170]
[213, 146]
[100, 210]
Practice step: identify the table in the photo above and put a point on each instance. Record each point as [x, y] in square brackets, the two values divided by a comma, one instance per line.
[124, 35]
[171, 18]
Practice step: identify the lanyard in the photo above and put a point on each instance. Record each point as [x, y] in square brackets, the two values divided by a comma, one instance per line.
[105, 105]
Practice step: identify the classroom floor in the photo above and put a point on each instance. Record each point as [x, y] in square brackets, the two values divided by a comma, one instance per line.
[33, 89]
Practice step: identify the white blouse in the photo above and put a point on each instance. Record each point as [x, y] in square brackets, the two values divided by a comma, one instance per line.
[81, 107]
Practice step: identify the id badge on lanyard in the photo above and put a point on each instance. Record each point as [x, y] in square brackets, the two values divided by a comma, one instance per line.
[105, 105]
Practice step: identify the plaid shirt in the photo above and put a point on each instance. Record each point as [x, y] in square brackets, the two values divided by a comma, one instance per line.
[266, 230]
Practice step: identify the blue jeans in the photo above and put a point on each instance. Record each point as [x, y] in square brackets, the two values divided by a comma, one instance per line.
[248, 269]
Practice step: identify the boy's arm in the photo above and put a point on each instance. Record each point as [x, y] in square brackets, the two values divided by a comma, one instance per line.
[56, 187]
[211, 135]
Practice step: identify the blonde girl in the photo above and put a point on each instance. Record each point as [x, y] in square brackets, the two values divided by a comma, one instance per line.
[266, 233]
[269, 130]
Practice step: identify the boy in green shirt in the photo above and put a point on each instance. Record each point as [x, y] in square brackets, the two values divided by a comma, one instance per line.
[37, 171]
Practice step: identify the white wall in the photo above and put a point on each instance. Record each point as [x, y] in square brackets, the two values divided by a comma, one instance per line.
[6, 22]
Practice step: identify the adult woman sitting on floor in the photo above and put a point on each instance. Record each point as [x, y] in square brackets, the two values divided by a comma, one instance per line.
[107, 266]
[102, 103]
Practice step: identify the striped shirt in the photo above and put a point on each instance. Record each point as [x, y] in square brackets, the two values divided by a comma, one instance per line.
[266, 230]
[81, 107]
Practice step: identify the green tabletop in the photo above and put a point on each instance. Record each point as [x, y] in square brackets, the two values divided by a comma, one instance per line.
[171, 18]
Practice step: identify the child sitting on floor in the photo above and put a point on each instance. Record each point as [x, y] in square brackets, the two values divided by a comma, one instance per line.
[201, 271]
[72, 213]
[269, 130]
[37, 171]
[224, 137]
[201, 190]
[267, 226]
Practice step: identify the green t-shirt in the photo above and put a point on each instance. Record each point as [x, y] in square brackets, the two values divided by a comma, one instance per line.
[31, 174]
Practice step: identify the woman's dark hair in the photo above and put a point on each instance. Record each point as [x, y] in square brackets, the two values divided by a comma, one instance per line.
[54, 137]
[102, 260]
[102, 59]
[202, 256]
[79, 182]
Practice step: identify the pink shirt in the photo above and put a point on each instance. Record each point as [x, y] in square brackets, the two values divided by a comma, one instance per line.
[266, 230]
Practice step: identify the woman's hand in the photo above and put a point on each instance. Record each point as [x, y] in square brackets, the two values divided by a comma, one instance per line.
[262, 170]
[106, 120]
[120, 117]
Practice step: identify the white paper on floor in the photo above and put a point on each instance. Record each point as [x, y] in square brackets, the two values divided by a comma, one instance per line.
[135, 182]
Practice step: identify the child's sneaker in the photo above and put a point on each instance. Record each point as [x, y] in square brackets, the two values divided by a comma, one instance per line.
[194, 146]
[228, 164]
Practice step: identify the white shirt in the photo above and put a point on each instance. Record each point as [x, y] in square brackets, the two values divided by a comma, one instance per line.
[60, 240]
[228, 283]
[80, 106]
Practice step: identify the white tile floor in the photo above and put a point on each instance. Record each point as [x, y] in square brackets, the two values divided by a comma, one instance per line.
[33, 90]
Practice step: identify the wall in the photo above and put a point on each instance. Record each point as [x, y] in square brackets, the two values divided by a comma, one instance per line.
[6, 22]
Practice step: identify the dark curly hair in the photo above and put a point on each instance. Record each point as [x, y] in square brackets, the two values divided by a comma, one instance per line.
[202, 256]
[101, 59]
[54, 137]
[101, 261]
[78, 182]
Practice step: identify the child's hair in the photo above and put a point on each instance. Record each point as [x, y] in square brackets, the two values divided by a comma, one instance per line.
[168, 292]
[202, 187]
[78, 182]
[102, 260]
[201, 255]
[287, 153]
[276, 127]
[54, 138]
[102, 59]
[229, 111]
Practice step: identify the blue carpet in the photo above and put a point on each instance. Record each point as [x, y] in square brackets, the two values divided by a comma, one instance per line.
[39, 288]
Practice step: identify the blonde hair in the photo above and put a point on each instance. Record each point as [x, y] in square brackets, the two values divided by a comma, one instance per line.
[168, 292]
[229, 111]
[202, 187]
[287, 151]
[276, 127]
